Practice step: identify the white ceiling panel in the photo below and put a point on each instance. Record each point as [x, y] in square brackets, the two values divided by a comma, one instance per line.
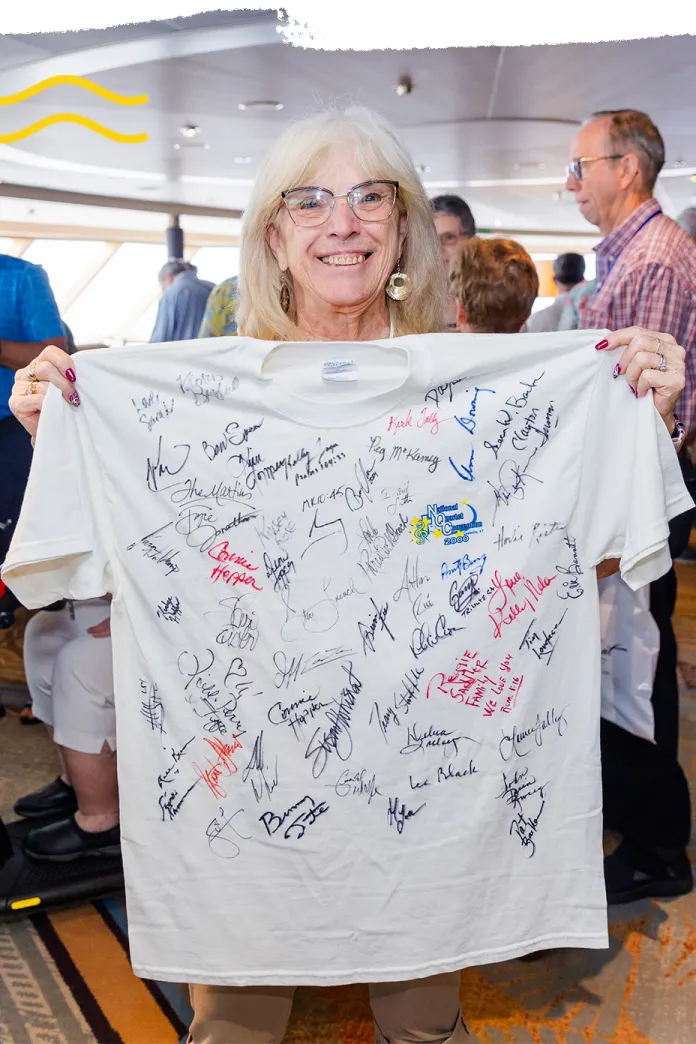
[500, 115]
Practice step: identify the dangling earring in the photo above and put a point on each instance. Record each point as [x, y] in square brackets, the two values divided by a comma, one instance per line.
[399, 285]
[284, 293]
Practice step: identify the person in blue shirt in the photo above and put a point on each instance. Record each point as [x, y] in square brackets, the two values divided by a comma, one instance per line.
[29, 321]
[183, 302]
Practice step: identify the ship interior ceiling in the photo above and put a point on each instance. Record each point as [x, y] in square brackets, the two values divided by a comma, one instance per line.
[491, 124]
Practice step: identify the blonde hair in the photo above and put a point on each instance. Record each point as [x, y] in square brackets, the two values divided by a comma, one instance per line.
[289, 163]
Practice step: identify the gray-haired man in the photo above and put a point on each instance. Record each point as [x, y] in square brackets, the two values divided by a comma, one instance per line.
[183, 302]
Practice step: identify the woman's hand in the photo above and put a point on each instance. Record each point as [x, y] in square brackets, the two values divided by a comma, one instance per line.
[643, 353]
[52, 366]
[101, 630]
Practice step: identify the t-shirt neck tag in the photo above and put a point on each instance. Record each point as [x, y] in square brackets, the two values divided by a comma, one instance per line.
[340, 370]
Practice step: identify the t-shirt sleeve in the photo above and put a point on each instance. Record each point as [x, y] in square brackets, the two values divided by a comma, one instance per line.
[56, 551]
[631, 483]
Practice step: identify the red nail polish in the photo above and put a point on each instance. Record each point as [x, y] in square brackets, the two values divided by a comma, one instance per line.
[75, 399]
[602, 344]
[70, 374]
[617, 371]
[634, 390]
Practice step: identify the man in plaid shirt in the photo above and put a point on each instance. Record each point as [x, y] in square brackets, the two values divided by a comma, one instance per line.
[646, 277]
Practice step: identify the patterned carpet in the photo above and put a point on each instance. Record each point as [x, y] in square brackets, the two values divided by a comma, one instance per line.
[65, 979]
[65, 976]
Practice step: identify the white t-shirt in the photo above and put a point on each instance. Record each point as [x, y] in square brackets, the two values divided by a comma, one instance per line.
[356, 638]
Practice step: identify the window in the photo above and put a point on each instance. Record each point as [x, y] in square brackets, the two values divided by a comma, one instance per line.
[216, 263]
[123, 289]
[141, 330]
[65, 261]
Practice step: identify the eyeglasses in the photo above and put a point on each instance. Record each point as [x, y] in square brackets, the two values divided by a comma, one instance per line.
[574, 168]
[369, 201]
[450, 238]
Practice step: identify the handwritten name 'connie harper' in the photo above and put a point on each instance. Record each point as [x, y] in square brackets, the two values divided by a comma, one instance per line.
[518, 742]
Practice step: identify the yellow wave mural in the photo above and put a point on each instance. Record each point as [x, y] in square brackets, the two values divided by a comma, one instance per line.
[71, 117]
[73, 81]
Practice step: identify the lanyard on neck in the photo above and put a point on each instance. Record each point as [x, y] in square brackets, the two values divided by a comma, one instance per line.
[616, 257]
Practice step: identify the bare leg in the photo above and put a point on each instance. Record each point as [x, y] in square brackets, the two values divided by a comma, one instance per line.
[64, 774]
[93, 777]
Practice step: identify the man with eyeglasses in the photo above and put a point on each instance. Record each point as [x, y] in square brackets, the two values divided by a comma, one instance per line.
[455, 224]
[646, 277]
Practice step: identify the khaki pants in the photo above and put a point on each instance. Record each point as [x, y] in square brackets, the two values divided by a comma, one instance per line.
[422, 1011]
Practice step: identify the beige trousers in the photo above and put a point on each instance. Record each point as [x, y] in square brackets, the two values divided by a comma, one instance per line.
[422, 1011]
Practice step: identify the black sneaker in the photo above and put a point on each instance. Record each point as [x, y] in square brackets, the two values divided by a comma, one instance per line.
[687, 557]
[55, 799]
[630, 875]
[65, 841]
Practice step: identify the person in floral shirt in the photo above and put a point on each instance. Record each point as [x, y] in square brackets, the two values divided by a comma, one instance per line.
[220, 317]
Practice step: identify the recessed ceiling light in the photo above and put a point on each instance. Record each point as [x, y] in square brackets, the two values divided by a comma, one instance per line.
[188, 145]
[693, 177]
[189, 130]
[497, 222]
[260, 105]
[422, 168]
[243, 159]
[404, 86]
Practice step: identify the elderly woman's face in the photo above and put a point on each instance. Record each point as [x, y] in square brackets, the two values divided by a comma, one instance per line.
[345, 262]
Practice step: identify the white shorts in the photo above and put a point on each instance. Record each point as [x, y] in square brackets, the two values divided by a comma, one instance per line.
[70, 675]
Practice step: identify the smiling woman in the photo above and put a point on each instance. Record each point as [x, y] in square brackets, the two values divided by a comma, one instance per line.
[338, 209]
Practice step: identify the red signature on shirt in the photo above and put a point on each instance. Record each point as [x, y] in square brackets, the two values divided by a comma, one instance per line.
[505, 605]
[223, 766]
[472, 682]
[221, 553]
[234, 577]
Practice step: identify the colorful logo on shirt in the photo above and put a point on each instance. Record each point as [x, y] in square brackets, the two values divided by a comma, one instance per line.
[453, 522]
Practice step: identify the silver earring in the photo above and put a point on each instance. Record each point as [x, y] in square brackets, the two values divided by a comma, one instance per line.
[399, 285]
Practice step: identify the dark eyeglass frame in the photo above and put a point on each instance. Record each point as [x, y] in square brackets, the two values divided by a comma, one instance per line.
[448, 238]
[343, 195]
[574, 168]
